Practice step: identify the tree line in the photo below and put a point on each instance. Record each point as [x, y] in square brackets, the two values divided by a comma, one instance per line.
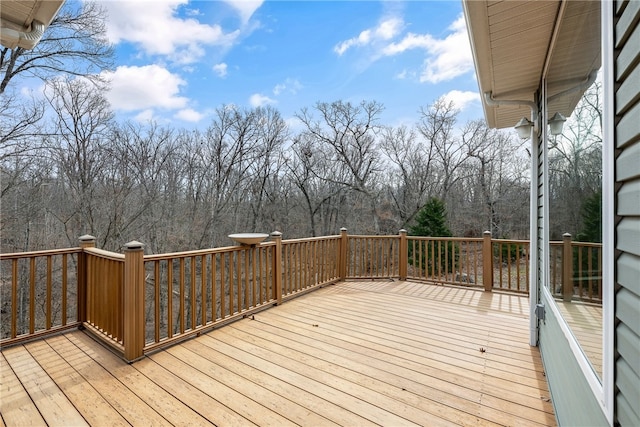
[68, 167]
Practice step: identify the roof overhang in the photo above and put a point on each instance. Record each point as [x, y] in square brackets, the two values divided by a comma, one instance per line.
[516, 44]
[22, 22]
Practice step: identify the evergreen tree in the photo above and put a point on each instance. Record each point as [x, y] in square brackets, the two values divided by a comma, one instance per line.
[431, 220]
[437, 257]
[591, 219]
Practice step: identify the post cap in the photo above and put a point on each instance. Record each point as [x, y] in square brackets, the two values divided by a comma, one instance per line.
[86, 238]
[487, 233]
[276, 234]
[343, 229]
[133, 245]
[566, 235]
[403, 231]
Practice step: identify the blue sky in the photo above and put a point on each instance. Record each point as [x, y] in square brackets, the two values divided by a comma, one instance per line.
[178, 60]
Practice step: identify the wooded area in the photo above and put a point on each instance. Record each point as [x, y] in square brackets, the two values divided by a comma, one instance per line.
[68, 167]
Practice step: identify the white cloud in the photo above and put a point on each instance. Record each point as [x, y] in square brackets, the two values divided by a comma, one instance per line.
[189, 115]
[451, 57]
[155, 27]
[446, 59]
[259, 100]
[220, 69]
[148, 87]
[410, 41]
[245, 8]
[461, 99]
[386, 30]
[290, 85]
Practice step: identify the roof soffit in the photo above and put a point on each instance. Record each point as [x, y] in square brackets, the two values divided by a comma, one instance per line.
[510, 42]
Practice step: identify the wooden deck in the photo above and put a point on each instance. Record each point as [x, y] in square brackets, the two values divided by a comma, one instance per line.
[356, 353]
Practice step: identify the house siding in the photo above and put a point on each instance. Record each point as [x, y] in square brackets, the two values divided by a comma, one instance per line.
[573, 401]
[627, 177]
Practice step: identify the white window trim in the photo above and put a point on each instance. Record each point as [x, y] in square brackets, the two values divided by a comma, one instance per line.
[602, 388]
[608, 211]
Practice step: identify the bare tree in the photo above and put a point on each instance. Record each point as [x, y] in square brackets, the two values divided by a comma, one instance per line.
[411, 179]
[437, 126]
[351, 131]
[81, 125]
[75, 43]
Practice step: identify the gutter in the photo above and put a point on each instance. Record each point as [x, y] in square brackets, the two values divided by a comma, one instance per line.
[490, 101]
[27, 40]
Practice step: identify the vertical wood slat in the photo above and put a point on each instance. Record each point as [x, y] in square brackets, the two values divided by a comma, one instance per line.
[214, 285]
[48, 298]
[223, 291]
[170, 298]
[231, 284]
[156, 298]
[32, 294]
[14, 298]
[193, 304]
[181, 311]
[64, 289]
[204, 297]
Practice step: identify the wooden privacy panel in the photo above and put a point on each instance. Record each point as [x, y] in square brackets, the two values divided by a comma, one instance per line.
[105, 287]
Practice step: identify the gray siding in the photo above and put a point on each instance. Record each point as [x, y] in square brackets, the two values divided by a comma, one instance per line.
[573, 401]
[627, 176]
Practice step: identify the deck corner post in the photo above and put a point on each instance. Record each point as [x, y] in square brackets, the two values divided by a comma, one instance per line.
[342, 261]
[134, 333]
[277, 267]
[403, 256]
[85, 241]
[567, 268]
[487, 261]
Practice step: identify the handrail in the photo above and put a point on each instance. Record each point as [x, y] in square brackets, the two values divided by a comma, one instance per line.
[35, 254]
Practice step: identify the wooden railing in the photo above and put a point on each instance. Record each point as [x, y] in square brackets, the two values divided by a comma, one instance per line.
[39, 293]
[187, 292]
[445, 260]
[580, 279]
[309, 263]
[372, 257]
[138, 303]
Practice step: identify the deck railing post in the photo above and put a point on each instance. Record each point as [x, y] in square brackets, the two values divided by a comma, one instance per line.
[134, 334]
[403, 256]
[343, 256]
[487, 261]
[277, 267]
[86, 241]
[567, 268]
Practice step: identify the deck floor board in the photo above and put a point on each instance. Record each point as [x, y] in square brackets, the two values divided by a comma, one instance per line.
[354, 354]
